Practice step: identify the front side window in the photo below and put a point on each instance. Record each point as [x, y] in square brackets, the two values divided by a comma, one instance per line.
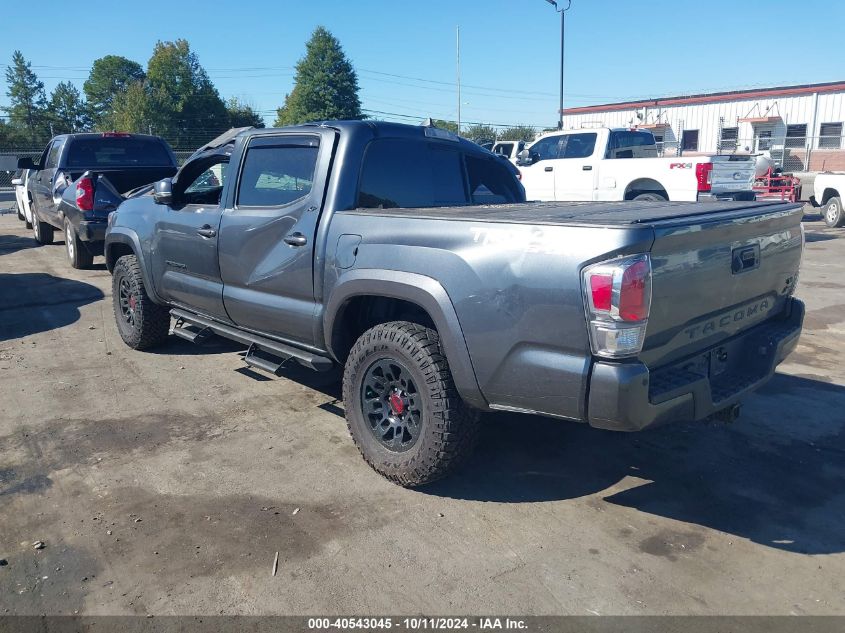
[546, 148]
[53, 155]
[504, 149]
[206, 185]
[279, 173]
[405, 173]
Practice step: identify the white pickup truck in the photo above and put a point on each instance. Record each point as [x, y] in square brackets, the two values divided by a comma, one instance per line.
[828, 189]
[508, 149]
[622, 164]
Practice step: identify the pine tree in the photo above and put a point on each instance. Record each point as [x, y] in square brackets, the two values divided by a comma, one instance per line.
[110, 76]
[28, 101]
[326, 85]
[67, 111]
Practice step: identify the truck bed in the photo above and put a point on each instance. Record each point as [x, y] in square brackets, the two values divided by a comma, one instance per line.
[625, 213]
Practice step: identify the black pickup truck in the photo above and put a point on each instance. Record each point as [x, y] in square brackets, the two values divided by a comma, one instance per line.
[81, 178]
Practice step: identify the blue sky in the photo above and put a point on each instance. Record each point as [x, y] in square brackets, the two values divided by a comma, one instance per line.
[615, 49]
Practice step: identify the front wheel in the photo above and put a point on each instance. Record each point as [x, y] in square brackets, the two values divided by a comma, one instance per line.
[834, 217]
[141, 323]
[42, 231]
[77, 253]
[402, 408]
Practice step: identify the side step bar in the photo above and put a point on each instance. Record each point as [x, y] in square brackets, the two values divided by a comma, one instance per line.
[191, 334]
[260, 348]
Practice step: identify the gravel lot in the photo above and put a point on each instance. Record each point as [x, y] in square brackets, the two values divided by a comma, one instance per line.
[164, 483]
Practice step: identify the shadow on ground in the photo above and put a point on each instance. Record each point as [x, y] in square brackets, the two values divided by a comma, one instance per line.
[13, 243]
[770, 480]
[38, 302]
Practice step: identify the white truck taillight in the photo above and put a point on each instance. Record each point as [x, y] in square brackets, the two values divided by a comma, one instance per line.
[703, 171]
[617, 296]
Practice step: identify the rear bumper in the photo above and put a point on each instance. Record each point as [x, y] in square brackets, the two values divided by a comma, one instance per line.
[630, 397]
[92, 230]
[736, 196]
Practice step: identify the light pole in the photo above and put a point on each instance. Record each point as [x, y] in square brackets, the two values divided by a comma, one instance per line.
[562, 23]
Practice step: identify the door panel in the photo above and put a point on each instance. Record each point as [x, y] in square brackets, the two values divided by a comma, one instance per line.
[267, 239]
[43, 183]
[576, 170]
[538, 178]
[185, 267]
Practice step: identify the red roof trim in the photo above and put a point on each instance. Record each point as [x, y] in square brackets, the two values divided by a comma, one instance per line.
[716, 97]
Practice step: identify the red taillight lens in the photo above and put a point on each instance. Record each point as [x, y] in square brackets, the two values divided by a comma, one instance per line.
[85, 194]
[601, 291]
[633, 293]
[702, 175]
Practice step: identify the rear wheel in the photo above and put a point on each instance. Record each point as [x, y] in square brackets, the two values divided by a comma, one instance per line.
[21, 216]
[655, 197]
[141, 323]
[402, 408]
[834, 217]
[42, 231]
[77, 252]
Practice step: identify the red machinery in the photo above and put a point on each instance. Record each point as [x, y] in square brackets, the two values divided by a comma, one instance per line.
[775, 185]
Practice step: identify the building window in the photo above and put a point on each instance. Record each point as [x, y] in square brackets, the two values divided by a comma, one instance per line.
[796, 135]
[763, 139]
[729, 138]
[830, 136]
[689, 141]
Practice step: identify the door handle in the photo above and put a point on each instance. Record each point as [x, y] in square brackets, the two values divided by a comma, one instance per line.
[207, 231]
[296, 239]
[547, 169]
[587, 168]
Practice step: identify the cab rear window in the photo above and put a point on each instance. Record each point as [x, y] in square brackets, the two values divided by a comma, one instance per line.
[118, 152]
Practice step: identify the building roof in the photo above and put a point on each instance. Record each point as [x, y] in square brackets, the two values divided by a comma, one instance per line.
[713, 97]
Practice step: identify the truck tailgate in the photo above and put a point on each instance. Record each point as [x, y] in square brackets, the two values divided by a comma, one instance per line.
[732, 173]
[718, 274]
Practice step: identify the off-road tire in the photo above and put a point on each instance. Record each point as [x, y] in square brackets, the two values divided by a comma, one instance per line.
[654, 197]
[449, 428]
[77, 251]
[42, 231]
[834, 216]
[151, 322]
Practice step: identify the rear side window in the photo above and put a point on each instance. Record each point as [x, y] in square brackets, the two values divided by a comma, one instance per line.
[579, 145]
[399, 173]
[118, 152]
[278, 174]
[491, 182]
[630, 144]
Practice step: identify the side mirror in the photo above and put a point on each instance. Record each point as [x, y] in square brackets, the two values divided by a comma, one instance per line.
[163, 191]
[17, 182]
[523, 159]
[27, 163]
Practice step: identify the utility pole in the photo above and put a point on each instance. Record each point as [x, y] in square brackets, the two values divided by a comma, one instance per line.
[562, 30]
[458, 64]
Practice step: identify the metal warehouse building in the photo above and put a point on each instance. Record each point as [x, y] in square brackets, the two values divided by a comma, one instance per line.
[799, 127]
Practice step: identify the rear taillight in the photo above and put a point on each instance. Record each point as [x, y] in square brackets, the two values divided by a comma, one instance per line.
[85, 194]
[618, 300]
[702, 175]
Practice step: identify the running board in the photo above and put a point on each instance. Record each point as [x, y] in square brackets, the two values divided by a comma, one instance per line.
[191, 334]
[259, 347]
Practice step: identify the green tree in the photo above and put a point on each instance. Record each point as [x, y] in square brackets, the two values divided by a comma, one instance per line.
[451, 126]
[480, 133]
[326, 85]
[518, 133]
[132, 110]
[67, 111]
[242, 114]
[188, 109]
[110, 76]
[28, 101]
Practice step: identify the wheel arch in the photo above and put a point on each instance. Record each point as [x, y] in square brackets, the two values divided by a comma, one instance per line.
[121, 241]
[829, 193]
[386, 295]
[644, 185]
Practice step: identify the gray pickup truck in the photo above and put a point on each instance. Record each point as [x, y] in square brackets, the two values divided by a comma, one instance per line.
[408, 256]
